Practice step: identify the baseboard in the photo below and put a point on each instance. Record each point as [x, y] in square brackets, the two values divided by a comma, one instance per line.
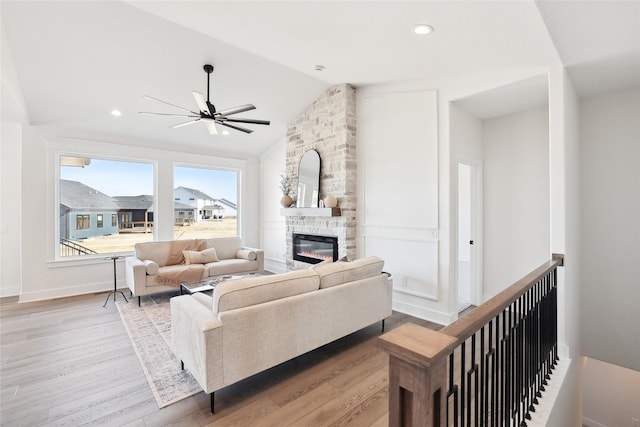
[424, 313]
[47, 294]
[588, 422]
[9, 291]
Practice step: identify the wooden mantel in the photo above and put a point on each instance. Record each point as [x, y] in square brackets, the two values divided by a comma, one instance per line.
[327, 212]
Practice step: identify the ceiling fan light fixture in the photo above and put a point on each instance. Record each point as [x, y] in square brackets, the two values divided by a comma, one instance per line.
[207, 113]
[423, 29]
[116, 113]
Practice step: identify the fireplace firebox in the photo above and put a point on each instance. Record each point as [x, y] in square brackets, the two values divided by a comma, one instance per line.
[312, 248]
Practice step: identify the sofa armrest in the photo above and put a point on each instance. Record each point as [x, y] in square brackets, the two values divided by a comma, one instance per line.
[196, 339]
[135, 273]
[259, 257]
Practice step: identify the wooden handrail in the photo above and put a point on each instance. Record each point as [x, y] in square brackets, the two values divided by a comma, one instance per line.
[466, 326]
[418, 356]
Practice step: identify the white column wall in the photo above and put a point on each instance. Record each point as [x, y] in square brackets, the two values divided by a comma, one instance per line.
[516, 197]
[273, 224]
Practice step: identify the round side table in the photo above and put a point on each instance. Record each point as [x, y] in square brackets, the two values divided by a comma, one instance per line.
[114, 258]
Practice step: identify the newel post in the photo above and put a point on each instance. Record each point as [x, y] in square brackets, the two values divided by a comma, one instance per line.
[417, 375]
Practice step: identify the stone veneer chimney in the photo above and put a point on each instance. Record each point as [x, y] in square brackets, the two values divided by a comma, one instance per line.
[328, 126]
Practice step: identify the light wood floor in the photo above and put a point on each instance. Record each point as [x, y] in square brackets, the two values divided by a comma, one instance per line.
[70, 362]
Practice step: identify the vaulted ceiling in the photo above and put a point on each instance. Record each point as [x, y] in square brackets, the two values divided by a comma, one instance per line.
[74, 62]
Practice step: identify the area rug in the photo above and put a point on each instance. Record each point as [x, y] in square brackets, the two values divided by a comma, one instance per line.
[149, 328]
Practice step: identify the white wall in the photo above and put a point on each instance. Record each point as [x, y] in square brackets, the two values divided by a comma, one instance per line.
[13, 116]
[516, 197]
[610, 178]
[398, 188]
[44, 276]
[10, 218]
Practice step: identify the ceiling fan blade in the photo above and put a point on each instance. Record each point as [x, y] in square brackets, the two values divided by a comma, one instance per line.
[202, 105]
[236, 110]
[211, 125]
[179, 125]
[167, 114]
[252, 121]
[235, 127]
[168, 103]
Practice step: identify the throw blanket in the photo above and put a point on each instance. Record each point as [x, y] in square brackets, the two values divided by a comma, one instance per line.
[177, 272]
[185, 273]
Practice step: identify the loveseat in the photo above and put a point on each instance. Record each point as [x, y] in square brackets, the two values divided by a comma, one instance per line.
[160, 266]
[252, 324]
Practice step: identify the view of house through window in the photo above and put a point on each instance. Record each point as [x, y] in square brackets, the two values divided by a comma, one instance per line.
[205, 202]
[91, 189]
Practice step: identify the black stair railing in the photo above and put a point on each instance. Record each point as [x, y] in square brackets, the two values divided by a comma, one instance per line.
[70, 248]
[489, 368]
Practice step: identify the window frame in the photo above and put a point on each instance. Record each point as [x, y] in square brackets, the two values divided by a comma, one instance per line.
[163, 162]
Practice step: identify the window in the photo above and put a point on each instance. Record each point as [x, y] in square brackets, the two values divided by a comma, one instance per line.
[82, 222]
[218, 190]
[93, 186]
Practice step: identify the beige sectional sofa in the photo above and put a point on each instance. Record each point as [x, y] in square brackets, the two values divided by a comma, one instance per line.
[252, 324]
[161, 266]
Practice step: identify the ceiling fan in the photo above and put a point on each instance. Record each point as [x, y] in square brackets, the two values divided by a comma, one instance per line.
[208, 114]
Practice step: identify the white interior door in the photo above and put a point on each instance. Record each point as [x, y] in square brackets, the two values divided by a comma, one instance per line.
[469, 235]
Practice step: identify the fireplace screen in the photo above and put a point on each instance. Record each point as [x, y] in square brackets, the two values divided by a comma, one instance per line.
[312, 249]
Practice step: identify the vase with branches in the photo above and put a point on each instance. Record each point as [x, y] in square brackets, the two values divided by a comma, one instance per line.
[286, 186]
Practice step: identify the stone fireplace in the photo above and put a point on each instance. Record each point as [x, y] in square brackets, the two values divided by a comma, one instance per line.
[329, 127]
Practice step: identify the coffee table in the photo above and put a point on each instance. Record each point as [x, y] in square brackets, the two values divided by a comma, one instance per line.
[210, 283]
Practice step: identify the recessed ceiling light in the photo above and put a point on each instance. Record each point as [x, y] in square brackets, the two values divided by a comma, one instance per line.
[423, 29]
[225, 132]
[116, 113]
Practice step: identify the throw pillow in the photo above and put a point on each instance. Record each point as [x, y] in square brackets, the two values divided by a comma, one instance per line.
[201, 257]
[246, 254]
[152, 267]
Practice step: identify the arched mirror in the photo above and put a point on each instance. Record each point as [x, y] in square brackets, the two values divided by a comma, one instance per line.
[308, 180]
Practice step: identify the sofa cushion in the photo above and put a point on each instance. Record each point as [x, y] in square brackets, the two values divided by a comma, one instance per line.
[232, 294]
[200, 257]
[231, 266]
[226, 247]
[347, 271]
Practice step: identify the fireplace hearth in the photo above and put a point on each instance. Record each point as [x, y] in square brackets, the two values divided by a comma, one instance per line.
[313, 249]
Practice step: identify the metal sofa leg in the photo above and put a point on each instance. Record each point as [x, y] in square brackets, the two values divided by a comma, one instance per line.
[181, 365]
[138, 300]
[383, 325]
[212, 401]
